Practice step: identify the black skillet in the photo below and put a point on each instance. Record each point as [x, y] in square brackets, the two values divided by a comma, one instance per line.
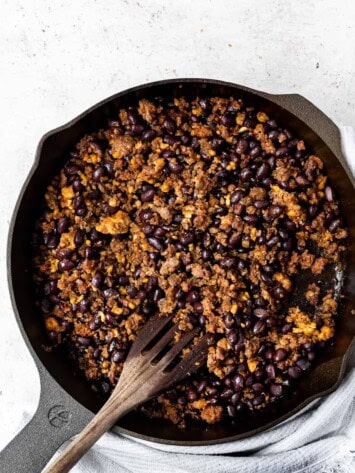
[66, 403]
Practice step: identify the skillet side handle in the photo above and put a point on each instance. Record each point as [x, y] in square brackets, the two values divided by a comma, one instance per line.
[313, 117]
[57, 419]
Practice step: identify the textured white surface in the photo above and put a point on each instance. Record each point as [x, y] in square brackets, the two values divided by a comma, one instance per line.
[58, 58]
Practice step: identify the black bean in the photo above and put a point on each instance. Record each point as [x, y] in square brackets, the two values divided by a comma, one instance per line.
[105, 387]
[51, 241]
[119, 356]
[259, 328]
[263, 171]
[294, 372]
[268, 268]
[62, 225]
[123, 280]
[311, 355]
[303, 364]
[276, 390]
[65, 265]
[283, 234]
[275, 211]
[159, 232]
[302, 180]
[191, 394]
[186, 238]
[279, 293]
[151, 283]
[84, 341]
[81, 212]
[236, 196]
[205, 105]
[273, 135]
[78, 202]
[175, 168]
[329, 194]
[231, 411]
[217, 144]
[201, 386]
[71, 169]
[108, 209]
[148, 135]
[280, 355]
[192, 296]
[46, 305]
[242, 146]
[272, 123]
[109, 169]
[156, 244]
[282, 151]
[267, 279]
[63, 253]
[50, 288]
[110, 292]
[141, 295]
[261, 204]
[226, 393]
[99, 173]
[273, 241]
[148, 195]
[290, 226]
[132, 117]
[90, 253]
[270, 370]
[286, 328]
[137, 129]
[334, 225]
[251, 219]
[227, 120]
[148, 229]
[228, 262]
[234, 239]
[287, 245]
[312, 210]
[255, 152]
[238, 382]
[246, 174]
[145, 214]
[258, 400]
[83, 306]
[169, 125]
[97, 280]
[258, 387]
[232, 336]
[259, 374]
[235, 398]
[77, 186]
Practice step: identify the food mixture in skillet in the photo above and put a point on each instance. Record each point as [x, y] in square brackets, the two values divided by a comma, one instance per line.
[206, 209]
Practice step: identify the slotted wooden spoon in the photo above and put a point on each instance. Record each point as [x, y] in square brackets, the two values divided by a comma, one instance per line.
[140, 380]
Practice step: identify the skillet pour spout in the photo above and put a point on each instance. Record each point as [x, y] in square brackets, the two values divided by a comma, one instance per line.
[66, 404]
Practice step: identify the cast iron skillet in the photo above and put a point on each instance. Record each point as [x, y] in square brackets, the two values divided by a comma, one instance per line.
[66, 403]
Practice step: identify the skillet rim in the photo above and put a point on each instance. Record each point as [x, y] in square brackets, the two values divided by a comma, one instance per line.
[37, 161]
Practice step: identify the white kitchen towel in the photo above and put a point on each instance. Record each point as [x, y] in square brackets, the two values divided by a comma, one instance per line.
[320, 439]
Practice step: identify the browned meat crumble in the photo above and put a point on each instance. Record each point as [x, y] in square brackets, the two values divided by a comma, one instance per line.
[206, 209]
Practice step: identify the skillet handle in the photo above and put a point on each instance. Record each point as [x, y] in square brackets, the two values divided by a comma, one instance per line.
[317, 120]
[57, 418]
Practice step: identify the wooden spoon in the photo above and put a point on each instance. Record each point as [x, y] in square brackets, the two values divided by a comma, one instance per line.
[142, 378]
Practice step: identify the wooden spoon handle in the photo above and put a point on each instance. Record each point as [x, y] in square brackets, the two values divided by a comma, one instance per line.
[101, 423]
